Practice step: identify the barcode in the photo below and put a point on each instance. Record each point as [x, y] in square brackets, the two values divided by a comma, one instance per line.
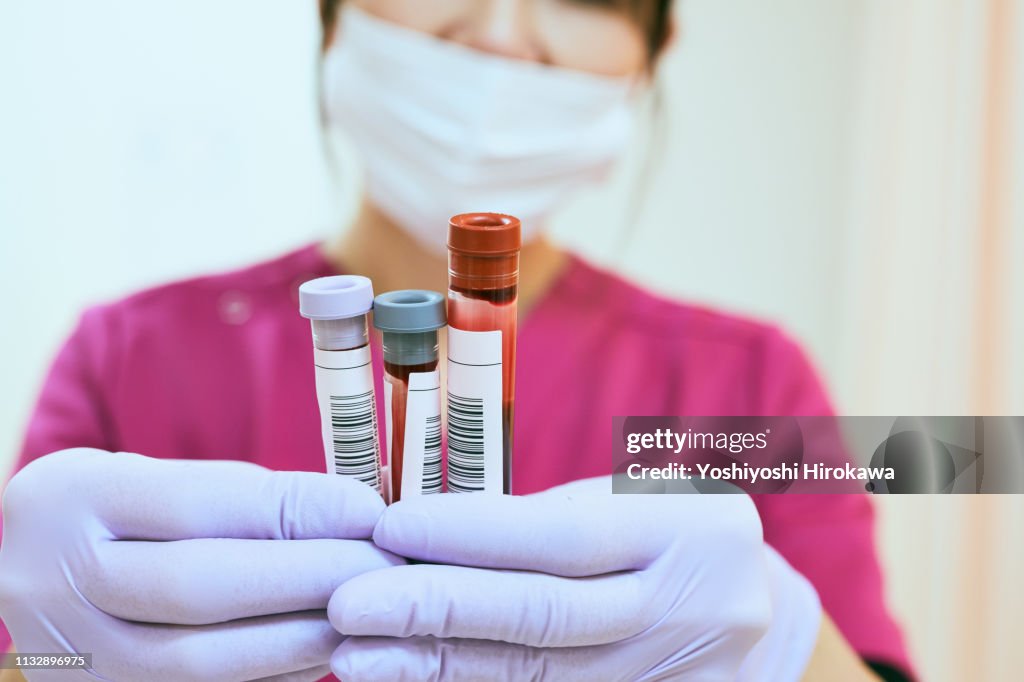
[465, 444]
[354, 431]
[432, 456]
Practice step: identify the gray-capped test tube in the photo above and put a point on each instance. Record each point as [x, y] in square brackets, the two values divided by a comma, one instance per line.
[409, 321]
[337, 307]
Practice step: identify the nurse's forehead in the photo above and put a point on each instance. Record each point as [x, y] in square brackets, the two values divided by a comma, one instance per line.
[599, 36]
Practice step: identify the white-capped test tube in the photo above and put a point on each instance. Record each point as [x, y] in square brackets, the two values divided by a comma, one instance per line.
[337, 307]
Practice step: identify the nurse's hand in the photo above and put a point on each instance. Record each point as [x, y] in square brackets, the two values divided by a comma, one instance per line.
[572, 585]
[180, 570]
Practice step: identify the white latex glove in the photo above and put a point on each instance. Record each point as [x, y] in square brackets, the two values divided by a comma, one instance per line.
[180, 570]
[572, 585]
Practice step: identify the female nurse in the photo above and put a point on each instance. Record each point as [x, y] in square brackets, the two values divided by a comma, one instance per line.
[175, 563]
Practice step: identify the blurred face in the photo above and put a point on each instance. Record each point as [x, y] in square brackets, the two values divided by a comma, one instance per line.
[439, 99]
[573, 34]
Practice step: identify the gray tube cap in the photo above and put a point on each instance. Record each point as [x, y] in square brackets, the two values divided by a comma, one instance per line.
[409, 311]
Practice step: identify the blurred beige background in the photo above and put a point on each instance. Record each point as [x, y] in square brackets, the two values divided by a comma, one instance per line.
[851, 168]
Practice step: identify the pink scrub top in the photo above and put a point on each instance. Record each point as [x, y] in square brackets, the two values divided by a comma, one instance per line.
[221, 367]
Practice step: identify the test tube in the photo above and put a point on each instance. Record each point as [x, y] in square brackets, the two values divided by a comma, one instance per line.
[408, 321]
[337, 307]
[483, 285]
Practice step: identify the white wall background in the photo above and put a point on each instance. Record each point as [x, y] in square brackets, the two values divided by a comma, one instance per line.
[141, 141]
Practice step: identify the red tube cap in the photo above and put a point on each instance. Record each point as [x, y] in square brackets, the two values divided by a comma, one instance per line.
[484, 234]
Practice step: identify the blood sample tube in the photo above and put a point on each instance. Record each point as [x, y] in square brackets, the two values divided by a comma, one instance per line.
[483, 283]
[337, 307]
[408, 321]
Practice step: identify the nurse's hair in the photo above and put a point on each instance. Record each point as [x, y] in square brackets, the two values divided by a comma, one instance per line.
[652, 16]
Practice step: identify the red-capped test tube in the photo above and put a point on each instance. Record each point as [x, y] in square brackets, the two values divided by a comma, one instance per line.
[483, 288]
[409, 321]
[337, 307]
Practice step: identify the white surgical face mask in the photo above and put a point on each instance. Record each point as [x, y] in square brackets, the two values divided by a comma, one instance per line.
[444, 129]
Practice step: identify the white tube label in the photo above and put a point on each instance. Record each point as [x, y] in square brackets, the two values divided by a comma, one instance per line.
[474, 412]
[348, 418]
[421, 459]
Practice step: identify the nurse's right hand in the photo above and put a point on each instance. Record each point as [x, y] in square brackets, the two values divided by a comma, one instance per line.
[180, 570]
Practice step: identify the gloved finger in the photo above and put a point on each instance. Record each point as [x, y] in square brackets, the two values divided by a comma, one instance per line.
[249, 649]
[427, 659]
[597, 485]
[309, 675]
[569, 535]
[194, 582]
[522, 607]
[155, 499]
[604, 485]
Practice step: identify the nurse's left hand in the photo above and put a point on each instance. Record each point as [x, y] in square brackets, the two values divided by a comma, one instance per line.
[572, 585]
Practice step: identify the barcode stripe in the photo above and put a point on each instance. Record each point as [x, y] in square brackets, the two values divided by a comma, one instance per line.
[432, 456]
[354, 436]
[465, 444]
